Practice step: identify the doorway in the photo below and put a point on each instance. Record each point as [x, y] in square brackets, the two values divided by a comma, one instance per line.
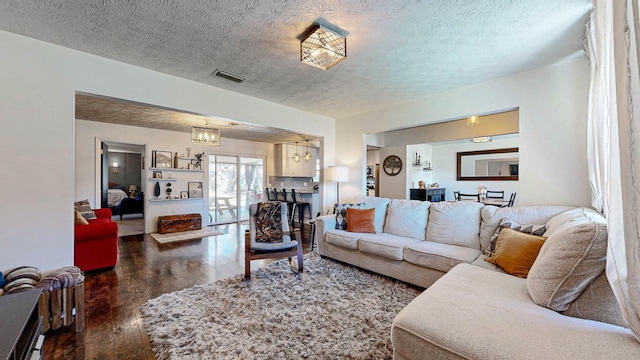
[235, 182]
[122, 186]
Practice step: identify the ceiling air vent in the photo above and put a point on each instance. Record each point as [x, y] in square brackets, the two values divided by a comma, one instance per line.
[227, 75]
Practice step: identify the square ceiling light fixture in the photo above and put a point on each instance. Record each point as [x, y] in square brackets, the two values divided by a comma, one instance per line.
[205, 136]
[323, 48]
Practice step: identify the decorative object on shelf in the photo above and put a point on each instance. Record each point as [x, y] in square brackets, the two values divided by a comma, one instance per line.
[195, 189]
[338, 174]
[156, 190]
[188, 151]
[416, 160]
[175, 160]
[323, 48]
[392, 165]
[157, 174]
[115, 168]
[161, 159]
[296, 156]
[168, 190]
[198, 160]
[132, 190]
[421, 184]
[427, 166]
[307, 156]
[205, 135]
[480, 139]
[184, 194]
[473, 120]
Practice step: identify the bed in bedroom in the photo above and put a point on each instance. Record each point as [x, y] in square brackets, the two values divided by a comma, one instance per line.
[115, 196]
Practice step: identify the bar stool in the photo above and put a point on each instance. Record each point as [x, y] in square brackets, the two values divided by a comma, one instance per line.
[290, 203]
[268, 192]
[300, 206]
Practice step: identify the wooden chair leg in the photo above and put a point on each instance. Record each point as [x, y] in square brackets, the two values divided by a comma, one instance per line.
[300, 265]
[247, 254]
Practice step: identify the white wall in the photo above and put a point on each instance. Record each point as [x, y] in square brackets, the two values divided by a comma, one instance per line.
[552, 106]
[37, 135]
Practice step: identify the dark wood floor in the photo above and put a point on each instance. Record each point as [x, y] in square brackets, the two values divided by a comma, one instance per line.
[146, 269]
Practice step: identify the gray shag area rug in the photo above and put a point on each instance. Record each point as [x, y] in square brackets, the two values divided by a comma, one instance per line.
[330, 311]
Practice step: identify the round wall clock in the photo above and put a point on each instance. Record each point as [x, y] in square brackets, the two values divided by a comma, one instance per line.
[392, 165]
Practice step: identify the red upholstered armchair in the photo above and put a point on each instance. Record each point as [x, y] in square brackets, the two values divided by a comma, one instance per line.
[96, 244]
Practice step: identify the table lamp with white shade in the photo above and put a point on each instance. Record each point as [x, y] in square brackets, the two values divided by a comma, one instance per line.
[338, 174]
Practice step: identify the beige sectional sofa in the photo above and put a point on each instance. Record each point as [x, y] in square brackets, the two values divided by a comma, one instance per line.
[472, 309]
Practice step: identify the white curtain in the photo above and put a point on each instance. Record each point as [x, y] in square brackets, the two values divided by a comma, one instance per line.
[614, 143]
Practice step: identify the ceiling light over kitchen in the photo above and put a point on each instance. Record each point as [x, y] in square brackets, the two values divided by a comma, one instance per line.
[323, 48]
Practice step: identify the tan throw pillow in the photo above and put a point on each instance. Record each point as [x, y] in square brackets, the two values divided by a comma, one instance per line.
[79, 219]
[516, 252]
[571, 258]
[361, 220]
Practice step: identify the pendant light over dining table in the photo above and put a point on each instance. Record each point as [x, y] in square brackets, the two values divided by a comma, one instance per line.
[205, 135]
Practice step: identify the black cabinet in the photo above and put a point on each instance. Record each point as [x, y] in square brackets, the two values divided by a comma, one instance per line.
[432, 195]
[21, 329]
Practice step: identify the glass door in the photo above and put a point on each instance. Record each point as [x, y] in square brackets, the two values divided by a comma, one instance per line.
[251, 184]
[235, 182]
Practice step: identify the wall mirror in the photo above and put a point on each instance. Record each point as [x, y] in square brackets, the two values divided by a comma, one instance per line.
[494, 164]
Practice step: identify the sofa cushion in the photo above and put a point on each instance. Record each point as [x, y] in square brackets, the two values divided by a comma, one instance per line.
[455, 223]
[515, 251]
[571, 258]
[385, 245]
[533, 214]
[341, 214]
[407, 218]
[343, 239]
[361, 220]
[438, 256]
[597, 302]
[380, 204]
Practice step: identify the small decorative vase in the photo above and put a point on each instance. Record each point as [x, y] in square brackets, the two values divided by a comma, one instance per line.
[156, 189]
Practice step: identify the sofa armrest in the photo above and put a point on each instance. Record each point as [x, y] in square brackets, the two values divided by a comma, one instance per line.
[104, 213]
[323, 224]
[95, 230]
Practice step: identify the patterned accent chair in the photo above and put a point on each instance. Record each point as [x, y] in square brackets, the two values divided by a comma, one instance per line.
[269, 237]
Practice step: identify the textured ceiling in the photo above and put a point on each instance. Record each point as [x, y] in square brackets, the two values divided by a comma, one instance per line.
[397, 50]
[116, 111]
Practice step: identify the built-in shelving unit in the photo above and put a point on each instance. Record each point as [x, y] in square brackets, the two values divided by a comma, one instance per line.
[173, 200]
[174, 169]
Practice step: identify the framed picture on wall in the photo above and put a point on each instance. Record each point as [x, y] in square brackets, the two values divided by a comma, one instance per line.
[195, 189]
[184, 194]
[157, 174]
[161, 159]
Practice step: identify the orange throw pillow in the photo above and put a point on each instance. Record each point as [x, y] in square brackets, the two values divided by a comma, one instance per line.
[361, 220]
[515, 251]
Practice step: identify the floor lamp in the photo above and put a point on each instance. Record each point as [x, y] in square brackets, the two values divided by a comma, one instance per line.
[338, 174]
